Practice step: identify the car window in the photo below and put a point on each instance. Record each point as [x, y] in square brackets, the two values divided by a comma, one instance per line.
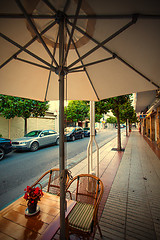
[46, 133]
[51, 132]
[69, 129]
[33, 134]
[86, 128]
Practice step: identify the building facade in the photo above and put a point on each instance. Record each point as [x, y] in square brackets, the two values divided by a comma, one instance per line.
[149, 123]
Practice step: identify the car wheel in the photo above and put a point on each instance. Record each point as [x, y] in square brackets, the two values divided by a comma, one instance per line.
[57, 141]
[82, 136]
[73, 138]
[1, 153]
[34, 146]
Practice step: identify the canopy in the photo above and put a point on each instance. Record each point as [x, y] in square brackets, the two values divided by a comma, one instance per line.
[113, 48]
[79, 50]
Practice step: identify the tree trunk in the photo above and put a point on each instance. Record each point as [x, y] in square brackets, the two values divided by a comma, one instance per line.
[126, 128]
[119, 131]
[25, 126]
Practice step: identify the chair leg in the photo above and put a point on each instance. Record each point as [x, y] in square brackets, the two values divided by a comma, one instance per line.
[99, 230]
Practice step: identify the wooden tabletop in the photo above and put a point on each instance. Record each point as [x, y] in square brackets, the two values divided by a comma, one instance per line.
[14, 224]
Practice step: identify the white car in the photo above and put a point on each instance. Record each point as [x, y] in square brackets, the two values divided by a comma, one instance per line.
[35, 139]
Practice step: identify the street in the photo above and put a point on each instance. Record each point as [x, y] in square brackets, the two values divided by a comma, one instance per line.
[19, 169]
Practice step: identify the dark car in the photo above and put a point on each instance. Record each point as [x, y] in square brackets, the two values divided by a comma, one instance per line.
[73, 133]
[87, 132]
[5, 147]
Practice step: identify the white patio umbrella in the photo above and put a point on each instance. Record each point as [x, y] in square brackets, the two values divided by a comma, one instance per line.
[78, 50]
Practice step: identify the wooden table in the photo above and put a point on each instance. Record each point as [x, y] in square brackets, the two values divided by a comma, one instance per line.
[14, 224]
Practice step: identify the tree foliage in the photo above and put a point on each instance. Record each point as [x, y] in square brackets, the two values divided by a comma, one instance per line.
[127, 113]
[120, 107]
[76, 111]
[11, 107]
[111, 120]
[80, 110]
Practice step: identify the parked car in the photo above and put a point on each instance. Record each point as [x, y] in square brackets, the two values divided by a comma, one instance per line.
[87, 131]
[73, 133]
[35, 139]
[121, 126]
[5, 147]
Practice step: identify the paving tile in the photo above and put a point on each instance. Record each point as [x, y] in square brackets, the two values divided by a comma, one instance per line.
[140, 234]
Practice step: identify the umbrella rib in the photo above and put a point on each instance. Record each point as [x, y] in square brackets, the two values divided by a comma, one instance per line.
[25, 50]
[109, 51]
[21, 16]
[32, 63]
[91, 38]
[82, 70]
[115, 16]
[73, 28]
[141, 74]
[43, 16]
[50, 6]
[66, 6]
[84, 67]
[35, 30]
[105, 41]
[27, 45]
[92, 63]
[49, 77]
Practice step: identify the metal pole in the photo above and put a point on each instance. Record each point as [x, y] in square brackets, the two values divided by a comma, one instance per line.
[61, 131]
[92, 138]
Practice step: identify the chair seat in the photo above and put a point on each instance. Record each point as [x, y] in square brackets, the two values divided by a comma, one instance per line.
[81, 217]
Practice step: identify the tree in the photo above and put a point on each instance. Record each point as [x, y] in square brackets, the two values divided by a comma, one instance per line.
[127, 113]
[11, 107]
[115, 105]
[76, 111]
[101, 107]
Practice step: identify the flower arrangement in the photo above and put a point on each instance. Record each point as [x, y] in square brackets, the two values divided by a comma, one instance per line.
[33, 194]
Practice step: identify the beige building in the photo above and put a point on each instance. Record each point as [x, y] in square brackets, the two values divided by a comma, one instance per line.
[14, 128]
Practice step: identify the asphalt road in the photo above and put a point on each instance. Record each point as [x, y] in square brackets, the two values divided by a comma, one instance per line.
[19, 169]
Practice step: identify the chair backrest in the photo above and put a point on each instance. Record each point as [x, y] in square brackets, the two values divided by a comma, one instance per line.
[87, 188]
[50, 181]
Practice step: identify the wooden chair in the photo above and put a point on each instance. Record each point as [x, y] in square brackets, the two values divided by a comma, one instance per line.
[88, 192]
[50, 181]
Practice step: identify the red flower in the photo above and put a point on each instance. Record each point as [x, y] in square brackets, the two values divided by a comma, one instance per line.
[26, 196]
[32, 194]
[29, 188]
[37, 190]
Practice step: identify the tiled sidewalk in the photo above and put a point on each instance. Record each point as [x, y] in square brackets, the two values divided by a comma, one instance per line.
[130, 207]
[132, 210]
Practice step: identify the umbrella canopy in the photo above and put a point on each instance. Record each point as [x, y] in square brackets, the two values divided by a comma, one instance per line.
[112, 48]
[79, 50]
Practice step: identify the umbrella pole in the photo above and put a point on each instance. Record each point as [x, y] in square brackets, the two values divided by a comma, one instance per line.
[61, 131]
[92, 138]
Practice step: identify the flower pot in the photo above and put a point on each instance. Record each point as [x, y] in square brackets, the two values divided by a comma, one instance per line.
[32, 207]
